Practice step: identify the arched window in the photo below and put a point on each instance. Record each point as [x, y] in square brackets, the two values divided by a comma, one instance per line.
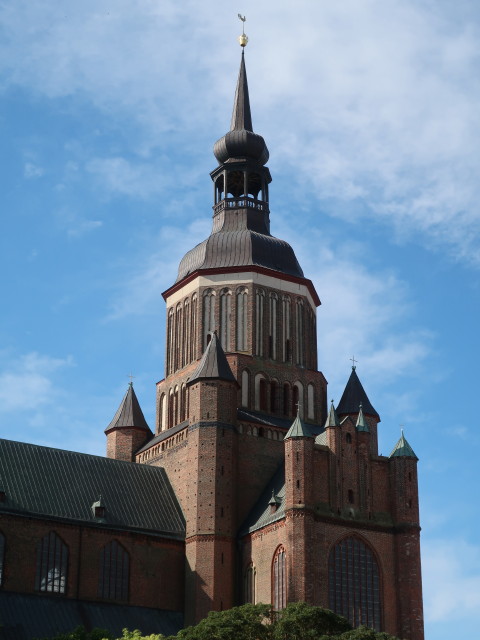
[273, 396]
[170, 341]
[175, 407]
[193, 329]
[114, 572]
[161, 413]
[300, 333]
[225, 320]
[208, 315]
[259, 306]
[245, 387]
[2, 556]
[242, 301]
[178, 338]
[52, 563]
[310, 402]
[286, 328]
[354, 583]
[286, 400]
[183, 402]
[298, 399]
[279, 580]
[250, 585]
[170, 409]
[272, 337]
[260, 392]
[186, 333]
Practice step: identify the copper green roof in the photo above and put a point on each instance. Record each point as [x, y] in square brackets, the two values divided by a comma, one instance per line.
[332, 418]
[353, 396]
[129, 413]
[42, 481]
[362, 424]
[299, 429]
[402, 449]
[262, 513]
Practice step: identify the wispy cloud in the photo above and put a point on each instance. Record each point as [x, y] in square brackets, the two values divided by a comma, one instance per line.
[31, 170]
[27, 382]
[451, 580]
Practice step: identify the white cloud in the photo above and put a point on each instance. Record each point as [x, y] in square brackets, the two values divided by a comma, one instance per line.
[31, 170]
[122, 177]
[27, 384]
[451, 579]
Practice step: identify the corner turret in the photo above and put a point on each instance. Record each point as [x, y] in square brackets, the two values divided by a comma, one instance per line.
[128, 430]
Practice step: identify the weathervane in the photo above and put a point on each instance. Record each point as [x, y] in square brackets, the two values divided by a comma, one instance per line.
[243, 39]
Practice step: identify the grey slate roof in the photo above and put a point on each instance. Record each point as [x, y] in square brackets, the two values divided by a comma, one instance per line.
[214, 364]
[262, 514]
[129, 413]
[240, 141]
[299, 429]
[402, 449]
[353, 396]
[25, 617]
[64, 484]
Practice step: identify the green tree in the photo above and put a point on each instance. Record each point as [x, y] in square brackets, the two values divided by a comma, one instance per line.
[300, 621]
[248, 622]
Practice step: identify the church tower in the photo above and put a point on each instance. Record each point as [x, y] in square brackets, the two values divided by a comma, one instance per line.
[284, 498]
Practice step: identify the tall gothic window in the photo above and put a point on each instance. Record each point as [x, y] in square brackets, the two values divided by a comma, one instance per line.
[272, 338]
[259, 306]
[186, 333]
[225, 318]
[170, 341]
[208, 315]
[286, 399]
[279, 580]
[52, 562]
[193, 329]
[300, 335]
[161, 413]
[245, 388]
[354, 583]
[250, 585]
[2, 556]
[178, 338]
[114, 572]
[310, 402]
[286, 328]
[242, 308]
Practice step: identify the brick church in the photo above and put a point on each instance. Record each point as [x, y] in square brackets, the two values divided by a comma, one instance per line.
[252, 486]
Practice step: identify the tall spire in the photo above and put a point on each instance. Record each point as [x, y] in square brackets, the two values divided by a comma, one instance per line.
[241, 116]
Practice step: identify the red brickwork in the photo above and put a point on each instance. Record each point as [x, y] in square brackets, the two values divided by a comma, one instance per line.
[156, 564]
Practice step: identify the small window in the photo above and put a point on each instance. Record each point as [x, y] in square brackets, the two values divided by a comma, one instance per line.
[350, 496]
[348, 438]
[52, 561]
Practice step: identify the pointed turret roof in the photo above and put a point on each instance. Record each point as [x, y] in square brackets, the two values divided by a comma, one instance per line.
[353, 396]
[402, 449]
[299, 429]
[129, 413]
[241, 143]
[241, 116]
[213, 364]
[332, 418]
[362, 424]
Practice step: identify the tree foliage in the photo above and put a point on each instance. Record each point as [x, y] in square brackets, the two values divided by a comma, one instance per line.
[298, 621]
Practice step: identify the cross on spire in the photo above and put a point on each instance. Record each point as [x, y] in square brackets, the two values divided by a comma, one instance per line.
[354, 361]
[131, 376]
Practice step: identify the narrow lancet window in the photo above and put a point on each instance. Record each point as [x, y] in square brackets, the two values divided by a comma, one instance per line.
[208, 315]
[241, 318]
[250, 585]
[259, 300]
[52, 561]
[225, 318]
[272, 338]
[114, 572]
[279, 580]
[286, 328]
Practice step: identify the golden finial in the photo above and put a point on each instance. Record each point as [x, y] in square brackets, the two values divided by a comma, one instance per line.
[243, 39]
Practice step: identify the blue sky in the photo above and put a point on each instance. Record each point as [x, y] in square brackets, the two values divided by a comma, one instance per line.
[370, 111]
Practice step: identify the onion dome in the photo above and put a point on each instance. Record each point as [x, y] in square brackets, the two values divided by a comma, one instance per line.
[240, 142]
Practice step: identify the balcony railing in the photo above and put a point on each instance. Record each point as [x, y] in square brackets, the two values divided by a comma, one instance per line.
[241, 203]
